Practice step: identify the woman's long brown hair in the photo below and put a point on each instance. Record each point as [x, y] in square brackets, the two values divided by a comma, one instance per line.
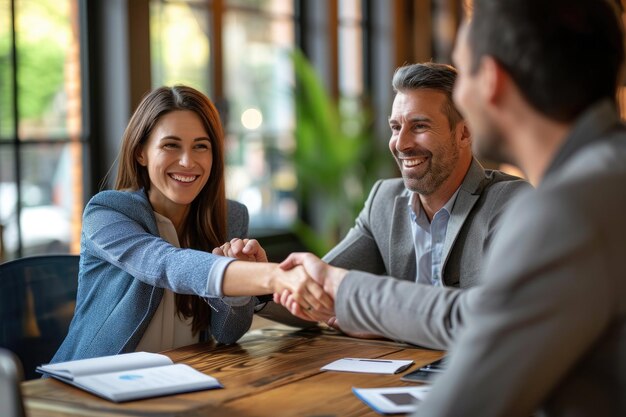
[205, 225]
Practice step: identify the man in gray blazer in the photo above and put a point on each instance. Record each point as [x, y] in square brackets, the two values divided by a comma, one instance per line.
[547, 329]
[434, 225]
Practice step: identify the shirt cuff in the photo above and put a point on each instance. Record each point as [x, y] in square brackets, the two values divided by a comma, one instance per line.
[216, 276]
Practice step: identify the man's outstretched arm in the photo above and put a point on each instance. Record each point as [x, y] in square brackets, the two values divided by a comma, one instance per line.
[400, 310]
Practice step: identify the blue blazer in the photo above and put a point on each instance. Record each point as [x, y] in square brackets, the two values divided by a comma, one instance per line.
[124, 266]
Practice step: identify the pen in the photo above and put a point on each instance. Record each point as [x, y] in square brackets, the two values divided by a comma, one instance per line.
[369, 360]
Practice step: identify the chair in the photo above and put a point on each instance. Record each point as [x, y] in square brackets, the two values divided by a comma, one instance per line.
[11, 404]
[37, 299]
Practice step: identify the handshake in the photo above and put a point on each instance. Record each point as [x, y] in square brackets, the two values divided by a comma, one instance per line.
[304, 284]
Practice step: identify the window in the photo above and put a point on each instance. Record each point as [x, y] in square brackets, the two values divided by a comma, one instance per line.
[351, 48]
[41, 143]
[238, 53]
[179, 44]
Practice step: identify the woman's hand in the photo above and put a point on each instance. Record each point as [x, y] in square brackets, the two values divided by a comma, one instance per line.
[243, 249]
[254, 278]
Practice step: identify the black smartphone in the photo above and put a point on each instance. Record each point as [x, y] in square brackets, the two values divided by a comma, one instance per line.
[426, 372]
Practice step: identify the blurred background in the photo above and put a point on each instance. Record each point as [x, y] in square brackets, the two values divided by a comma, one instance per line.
[303, 88]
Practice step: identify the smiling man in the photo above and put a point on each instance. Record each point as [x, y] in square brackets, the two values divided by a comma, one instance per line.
[433, 226]
[545, 332]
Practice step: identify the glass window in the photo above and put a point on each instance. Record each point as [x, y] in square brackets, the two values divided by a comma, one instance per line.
[251, 82]
[8, 197]
[251, 77]
[46, 204]
[41, 180]
[179, 44]
[350, 48]
[6, 73]
[258, 77]
[268, 6]
[44, 42]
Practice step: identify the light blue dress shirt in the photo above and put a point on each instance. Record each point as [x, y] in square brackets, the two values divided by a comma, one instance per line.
[428, 239]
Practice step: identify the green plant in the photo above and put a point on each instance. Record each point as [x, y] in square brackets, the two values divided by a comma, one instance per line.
[336, 159]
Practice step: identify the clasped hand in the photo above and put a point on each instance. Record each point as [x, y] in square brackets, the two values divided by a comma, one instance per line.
[307, 286]
[299, 283]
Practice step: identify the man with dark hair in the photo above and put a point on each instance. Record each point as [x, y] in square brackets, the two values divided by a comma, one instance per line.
[434, 225]
[548, 328]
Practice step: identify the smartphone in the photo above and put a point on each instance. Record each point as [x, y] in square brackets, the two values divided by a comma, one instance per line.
[426, 372]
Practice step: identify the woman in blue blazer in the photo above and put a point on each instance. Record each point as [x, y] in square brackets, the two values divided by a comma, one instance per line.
[147, 279]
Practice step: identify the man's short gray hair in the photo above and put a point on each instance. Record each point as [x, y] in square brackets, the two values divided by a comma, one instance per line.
[429, 75]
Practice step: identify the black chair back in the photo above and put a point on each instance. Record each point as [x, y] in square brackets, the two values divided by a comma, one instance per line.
[37, 299]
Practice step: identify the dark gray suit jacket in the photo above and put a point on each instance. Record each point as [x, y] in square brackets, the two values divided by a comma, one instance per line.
[548, 327]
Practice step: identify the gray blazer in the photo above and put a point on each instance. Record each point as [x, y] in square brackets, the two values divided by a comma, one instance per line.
[548, 328]
[381, 242]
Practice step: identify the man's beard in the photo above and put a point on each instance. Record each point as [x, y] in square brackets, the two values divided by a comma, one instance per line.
[439, 171]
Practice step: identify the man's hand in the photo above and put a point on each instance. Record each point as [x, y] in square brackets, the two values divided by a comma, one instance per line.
[328, 276]
[306, 293]
[324, 316]
[286, 299]
[243, 249]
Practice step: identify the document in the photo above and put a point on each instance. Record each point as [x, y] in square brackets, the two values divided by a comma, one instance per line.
[130, 376]
[369, 366]
[392, 400]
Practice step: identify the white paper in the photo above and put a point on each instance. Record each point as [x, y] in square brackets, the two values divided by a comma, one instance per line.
[369, 366]
[392, 400]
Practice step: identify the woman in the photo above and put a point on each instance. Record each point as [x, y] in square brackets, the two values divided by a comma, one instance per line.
[147, 279]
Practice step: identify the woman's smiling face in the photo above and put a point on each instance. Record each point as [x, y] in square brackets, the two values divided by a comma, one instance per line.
[178, 157]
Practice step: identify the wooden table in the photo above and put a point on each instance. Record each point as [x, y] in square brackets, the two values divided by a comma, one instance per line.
[270, 372]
